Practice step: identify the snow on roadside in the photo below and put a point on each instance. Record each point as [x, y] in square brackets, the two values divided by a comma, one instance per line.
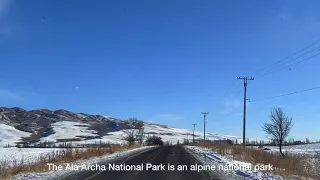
[57, 174]
[242, 169]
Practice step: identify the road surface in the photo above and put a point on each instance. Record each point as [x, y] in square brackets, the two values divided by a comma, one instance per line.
[175, 155]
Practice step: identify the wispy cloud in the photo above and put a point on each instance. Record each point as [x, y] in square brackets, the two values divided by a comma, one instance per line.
[231, 107]
[4, 6]
[4, 10]
[232, 104]
[6, 94]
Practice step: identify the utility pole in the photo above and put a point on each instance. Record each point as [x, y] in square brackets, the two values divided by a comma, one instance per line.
[188, 137]
[194, 126]
[245, 82]
[204, 126]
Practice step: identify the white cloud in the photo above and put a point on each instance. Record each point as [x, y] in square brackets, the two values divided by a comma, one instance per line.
[6, 94]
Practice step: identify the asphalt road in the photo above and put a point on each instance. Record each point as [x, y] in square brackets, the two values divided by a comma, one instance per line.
[174, 155]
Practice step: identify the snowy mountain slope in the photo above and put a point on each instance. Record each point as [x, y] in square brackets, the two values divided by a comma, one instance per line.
[63, 125]
[172, 134]
[69, 130]
[30, 127]
[76, 132]
[168, 134]
[10, 135]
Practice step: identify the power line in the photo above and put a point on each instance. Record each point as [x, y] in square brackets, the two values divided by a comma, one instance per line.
[293, 59]
[281, 60]
[273, 68]
[288, 94]
[194, 126]
[298, 62]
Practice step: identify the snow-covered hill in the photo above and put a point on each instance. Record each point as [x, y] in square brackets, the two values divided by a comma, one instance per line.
[21, 126]
[10, 135]
[78, 133]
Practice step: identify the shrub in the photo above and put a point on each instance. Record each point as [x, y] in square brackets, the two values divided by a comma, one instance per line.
[154, 140]
[130, 138]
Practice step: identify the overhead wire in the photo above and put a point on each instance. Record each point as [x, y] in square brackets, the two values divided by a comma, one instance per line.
[296, 63]
[288, 94]
[274, 67]
[275, 64]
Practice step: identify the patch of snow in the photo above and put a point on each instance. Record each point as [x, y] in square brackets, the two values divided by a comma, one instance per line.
[310, 149]
[81, 115]
[68, 130]
[10, 135]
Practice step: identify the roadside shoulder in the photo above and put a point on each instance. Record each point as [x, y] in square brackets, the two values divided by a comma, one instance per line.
[204, 160]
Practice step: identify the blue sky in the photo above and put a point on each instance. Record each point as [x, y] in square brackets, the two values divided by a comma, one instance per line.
[161, 61]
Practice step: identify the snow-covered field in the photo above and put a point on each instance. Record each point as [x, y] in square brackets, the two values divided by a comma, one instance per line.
[309, 149]
[313, 149]
[23, 155]
[236, 170]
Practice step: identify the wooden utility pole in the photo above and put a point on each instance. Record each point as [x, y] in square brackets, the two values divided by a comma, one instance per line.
[245, 82]
[204, 126]
[194, 126]
[188, 137]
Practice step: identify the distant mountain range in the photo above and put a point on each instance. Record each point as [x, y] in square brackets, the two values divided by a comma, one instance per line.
[21, 126]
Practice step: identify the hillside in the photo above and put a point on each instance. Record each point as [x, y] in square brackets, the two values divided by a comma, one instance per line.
[21, 126]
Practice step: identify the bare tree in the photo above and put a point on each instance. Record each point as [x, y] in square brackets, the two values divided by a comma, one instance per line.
[307, 141]
[130, 137]
[279, 127]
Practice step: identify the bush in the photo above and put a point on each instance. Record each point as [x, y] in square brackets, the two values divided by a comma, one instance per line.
[130, 138]
[154, 140]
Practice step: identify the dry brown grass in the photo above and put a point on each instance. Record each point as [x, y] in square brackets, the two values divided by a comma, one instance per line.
[293, 165]
[65, 155]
